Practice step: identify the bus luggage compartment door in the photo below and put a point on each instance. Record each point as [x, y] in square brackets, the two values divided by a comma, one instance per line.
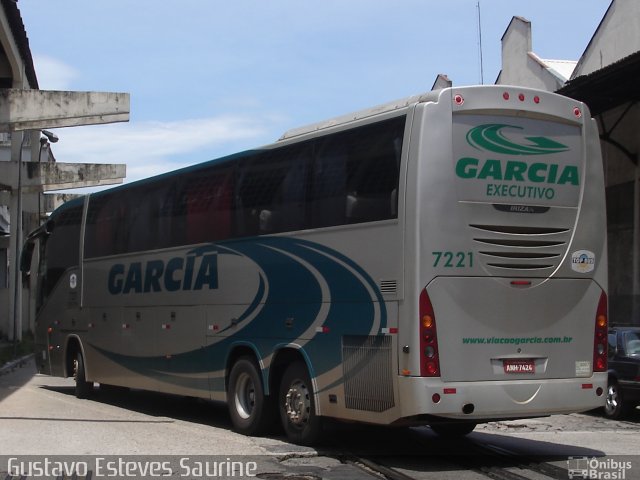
[489, 329]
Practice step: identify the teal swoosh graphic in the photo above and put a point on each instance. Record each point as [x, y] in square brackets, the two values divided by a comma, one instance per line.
[291, 290]
[490, 137]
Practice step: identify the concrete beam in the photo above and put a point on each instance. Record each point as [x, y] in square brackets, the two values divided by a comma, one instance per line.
[60, 176]
[38, 109]
[45, 176]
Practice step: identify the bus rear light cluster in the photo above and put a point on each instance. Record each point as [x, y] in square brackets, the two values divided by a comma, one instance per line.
[429, 358]
[600, 336]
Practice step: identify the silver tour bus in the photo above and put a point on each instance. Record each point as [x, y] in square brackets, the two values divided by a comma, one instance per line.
[439, 260]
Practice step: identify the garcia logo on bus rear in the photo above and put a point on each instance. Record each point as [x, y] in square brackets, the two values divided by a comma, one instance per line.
[490, 137]
[520, 178]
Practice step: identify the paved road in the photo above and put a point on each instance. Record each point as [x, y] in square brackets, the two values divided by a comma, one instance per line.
[40, 415]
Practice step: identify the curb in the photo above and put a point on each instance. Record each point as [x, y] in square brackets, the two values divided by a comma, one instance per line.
[18, 363]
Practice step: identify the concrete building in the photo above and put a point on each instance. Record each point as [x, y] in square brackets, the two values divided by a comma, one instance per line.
[605, 78]
[27, 165]
[521, 66]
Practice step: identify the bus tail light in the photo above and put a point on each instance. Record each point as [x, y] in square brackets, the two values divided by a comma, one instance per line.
[600, 337]
[429, 358]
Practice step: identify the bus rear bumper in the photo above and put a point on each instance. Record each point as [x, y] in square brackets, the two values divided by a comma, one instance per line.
[491, 400]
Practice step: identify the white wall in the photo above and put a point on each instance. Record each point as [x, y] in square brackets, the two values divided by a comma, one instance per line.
[617, 37]
[520, 66]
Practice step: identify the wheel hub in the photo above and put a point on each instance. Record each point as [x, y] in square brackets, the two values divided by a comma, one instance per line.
[612, 399]
[298, 403]
[245, 398]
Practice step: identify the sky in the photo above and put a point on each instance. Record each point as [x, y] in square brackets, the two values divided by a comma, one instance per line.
[209, 78]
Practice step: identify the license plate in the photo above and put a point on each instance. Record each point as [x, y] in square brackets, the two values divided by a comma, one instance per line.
[520, 366]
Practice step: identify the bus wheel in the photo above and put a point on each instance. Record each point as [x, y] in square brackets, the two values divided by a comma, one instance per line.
[252, 413]
[297, 406]
[83, 388]
[452, 430]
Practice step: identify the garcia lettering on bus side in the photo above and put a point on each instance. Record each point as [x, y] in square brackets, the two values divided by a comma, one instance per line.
[196, 271]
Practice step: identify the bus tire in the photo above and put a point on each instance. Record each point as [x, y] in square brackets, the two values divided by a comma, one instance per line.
[297, 406]
[252, 412]
[453, 430]
[83, 387]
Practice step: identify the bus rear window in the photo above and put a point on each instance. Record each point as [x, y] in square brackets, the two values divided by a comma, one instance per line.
[517, 160]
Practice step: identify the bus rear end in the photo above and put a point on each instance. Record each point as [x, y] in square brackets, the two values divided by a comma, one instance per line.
[508, 312]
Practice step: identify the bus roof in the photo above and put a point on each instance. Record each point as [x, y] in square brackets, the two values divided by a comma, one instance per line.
[369, 112]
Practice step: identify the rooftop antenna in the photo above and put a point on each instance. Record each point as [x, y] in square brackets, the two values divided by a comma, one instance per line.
[480, 46]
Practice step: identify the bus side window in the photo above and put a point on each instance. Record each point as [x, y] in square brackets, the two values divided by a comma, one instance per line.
[144, 216]
[355, 174]
[106, 227]
[328, 190]
[208, 204]
[272, 190]
[99, 230]
[248, 197]
[120, 223]
[373, 172]
[293, 190]
[61, 250]
[170, 222]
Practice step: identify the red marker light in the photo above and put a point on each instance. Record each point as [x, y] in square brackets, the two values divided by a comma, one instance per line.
[432, 369]
[458, 99]
[536, 99]
[521, 97]
[577, 112]
[505, 95]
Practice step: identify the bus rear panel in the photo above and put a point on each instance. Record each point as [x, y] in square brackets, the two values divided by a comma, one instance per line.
[509, 308]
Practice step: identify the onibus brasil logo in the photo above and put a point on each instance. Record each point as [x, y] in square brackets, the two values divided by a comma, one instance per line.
[491, 138]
